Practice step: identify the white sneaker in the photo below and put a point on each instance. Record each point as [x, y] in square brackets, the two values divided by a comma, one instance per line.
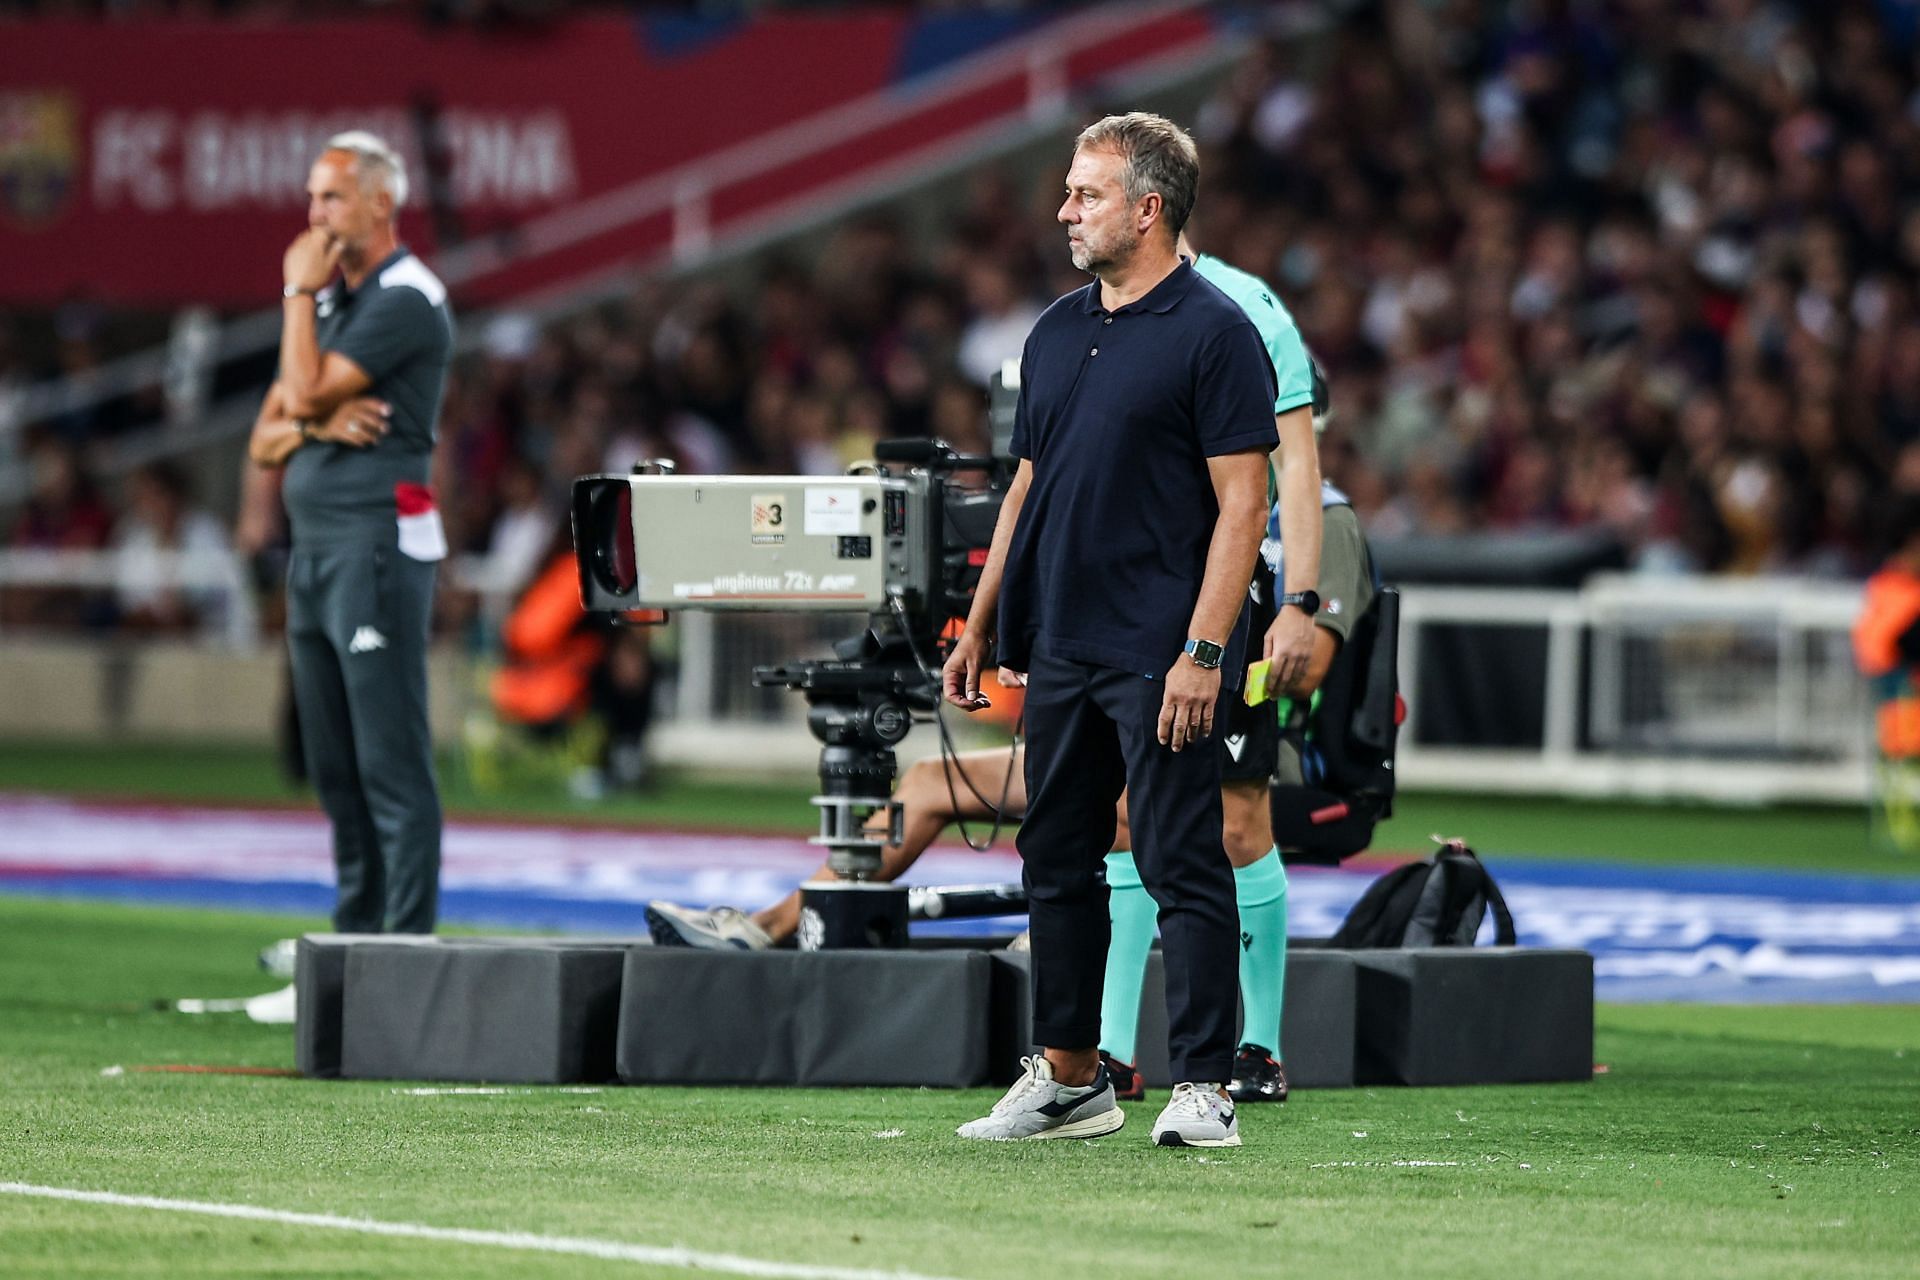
[1197, 1116]
[718, 929]
[1038, 1107]
[278, 959]
[279, 1007]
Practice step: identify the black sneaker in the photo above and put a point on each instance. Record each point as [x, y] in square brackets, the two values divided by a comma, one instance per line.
[1128, 1084]
[1256, 1076]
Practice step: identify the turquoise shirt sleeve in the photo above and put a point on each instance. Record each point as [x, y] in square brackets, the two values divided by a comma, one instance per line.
[1290, 369]
[1277, 329]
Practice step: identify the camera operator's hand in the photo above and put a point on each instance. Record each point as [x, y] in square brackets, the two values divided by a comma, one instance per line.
[312, 259]
[960, 678]
[1186, 710]
[358, 423]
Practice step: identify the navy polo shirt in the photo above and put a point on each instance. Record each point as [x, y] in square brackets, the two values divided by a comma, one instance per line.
[1118, 413]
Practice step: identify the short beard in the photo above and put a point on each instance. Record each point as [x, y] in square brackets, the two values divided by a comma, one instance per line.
[1085, 259]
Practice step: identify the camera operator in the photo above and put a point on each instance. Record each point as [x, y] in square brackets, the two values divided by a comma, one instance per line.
[363, 364]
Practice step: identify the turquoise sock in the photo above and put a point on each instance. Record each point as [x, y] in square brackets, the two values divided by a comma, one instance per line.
[1261, 889]
[1135, 921]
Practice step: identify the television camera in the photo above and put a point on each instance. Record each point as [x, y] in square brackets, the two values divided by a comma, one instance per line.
[903, 538]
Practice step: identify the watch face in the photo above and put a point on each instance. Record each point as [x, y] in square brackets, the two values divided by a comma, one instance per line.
[1205, 653]
[1305, 601]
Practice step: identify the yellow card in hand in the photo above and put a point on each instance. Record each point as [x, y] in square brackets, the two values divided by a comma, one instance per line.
[1256, 690]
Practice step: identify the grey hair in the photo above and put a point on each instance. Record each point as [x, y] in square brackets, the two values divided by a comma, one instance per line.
[377, 165]
[1156, 155]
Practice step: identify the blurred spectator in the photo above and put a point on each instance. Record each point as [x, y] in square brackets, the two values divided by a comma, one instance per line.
[1001, 318]
[522, 530]
[159, 520]
[573, 681]
[13, 382]
[63, 512]
[1886, 646]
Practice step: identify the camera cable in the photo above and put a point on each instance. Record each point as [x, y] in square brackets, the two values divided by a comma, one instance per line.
[949, 751]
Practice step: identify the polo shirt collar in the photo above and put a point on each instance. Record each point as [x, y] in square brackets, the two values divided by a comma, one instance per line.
[1162, 298]
[399, 252]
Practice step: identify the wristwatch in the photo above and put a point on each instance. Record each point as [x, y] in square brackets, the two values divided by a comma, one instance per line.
[1205, 654]
[294, 291]
[1307, 602]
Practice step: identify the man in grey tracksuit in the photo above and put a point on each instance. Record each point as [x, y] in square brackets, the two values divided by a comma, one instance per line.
[363, 362]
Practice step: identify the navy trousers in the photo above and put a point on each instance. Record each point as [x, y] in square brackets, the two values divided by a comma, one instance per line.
[1091, 732]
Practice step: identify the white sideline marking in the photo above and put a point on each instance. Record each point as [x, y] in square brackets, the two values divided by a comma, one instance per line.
[488, 1090]
[653, 1255]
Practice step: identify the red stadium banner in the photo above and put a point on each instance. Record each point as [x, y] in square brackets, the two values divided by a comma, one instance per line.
[164, 162]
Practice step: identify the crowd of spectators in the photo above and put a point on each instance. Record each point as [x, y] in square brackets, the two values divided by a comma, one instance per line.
[1635, 266]
[1639, 267]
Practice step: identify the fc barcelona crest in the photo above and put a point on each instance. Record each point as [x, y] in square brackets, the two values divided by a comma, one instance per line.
[39, 153]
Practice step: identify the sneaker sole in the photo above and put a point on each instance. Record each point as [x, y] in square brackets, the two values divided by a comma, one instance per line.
[663, 932]
[1173, 1139]
[1092, 1127]
[666, 932]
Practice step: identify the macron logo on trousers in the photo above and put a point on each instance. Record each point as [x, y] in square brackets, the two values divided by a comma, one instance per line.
[366, 640]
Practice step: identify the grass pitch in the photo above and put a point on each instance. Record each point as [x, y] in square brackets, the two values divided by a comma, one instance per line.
[1748, 1142]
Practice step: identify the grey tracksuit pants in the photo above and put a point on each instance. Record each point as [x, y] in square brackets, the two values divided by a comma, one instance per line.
[357, 623]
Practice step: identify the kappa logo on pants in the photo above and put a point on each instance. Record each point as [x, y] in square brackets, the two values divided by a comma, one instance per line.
[366, 640]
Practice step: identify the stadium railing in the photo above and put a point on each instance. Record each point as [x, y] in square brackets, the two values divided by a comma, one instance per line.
[1734, 690]
[217, 579]
[1739, 691]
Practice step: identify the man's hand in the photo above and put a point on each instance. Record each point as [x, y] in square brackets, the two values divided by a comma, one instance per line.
[960, 678]
[1186, 712]
[1289, 648]
[311, 259]
[359, 423]
[1009, 679]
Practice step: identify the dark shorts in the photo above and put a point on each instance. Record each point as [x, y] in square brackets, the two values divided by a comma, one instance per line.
[1249, 740]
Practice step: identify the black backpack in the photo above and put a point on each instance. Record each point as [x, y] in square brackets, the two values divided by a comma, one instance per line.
[1436, 903]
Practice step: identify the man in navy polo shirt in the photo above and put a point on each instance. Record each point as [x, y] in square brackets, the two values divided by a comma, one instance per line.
[1116, 580]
